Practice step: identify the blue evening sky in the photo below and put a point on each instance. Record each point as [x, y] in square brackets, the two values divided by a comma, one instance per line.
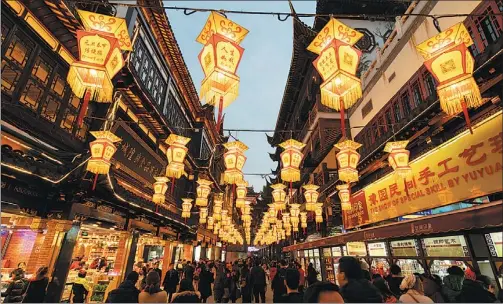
[263, 69]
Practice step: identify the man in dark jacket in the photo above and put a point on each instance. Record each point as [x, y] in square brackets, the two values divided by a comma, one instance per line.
[15, 290]
[395, 279]
[258, 282]
[278, 283]
[292, 295]
[156, 269]
[171, 281]
[188, 271]
[354, 288]
[126, 292]
[477, 291]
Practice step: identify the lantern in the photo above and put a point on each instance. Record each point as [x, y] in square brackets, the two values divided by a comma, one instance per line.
[279, 224]
[210, 223]
[186, 206]
[291, 158]
[450, 62]
[247, 208]
[278, 192]
[225, 220]
[272, 210]
[176, 153]
[337, 63]
[303, 219]
[218, 201]
[203, 214]
[295, 223]
[311, 195]
[216, 228]
[160, 188]
[102, 150]
[246, 217]
[348, 158]
[203, 190]
[344, 196]
[241, 190]
[234, 160]
[399, 157]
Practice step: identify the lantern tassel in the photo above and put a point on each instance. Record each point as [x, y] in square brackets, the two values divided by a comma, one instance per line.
[83, 108]
[467, 117]
[95, 180]
[343, 122]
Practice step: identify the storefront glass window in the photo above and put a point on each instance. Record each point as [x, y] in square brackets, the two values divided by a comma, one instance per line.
[410, 266]
[439, 267]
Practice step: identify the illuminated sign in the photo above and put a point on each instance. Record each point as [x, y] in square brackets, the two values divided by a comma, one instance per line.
[404, 248]
[377, 249]
[445, 246]
[356, 249]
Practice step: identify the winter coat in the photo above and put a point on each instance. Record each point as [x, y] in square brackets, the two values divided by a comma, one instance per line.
[171, 281]
[219, 285]
[360, 291]
[433, 290]
[125, 293]
[452, 287]
[204, 285]
[36, 291]
[278, 285]
[394, 284]
[158, 297]
[80, 290]
[188, 272]
[293, 297]
[474, 292]
[15, 291]
[312, 276]
[257, 276]
[412, 296]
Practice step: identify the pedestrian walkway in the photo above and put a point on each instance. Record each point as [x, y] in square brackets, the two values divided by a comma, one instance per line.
[268, 296]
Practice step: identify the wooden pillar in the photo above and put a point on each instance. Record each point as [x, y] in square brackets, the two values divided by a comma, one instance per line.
[121, 256]
[166, 260]
[132, 251]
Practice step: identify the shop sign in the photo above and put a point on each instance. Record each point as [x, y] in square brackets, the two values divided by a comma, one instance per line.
[18, 189]
[135, 154]
[377, 249]
[465, 167]
[336, 251]
[405, 248]
[356, 249]
[445, 246]
[421, 228]
[326, 252]
[495, 243]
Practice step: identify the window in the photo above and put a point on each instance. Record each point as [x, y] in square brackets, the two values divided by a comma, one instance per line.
[430, 84]
[406, 103]
[397, 111]
[416, 90]
[473, 48]
[68, 120]
[14, 61]
[50, 109]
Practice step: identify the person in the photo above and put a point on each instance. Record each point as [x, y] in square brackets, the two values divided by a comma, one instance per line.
[354, 287]
[278, 283]
[453, 283]
[188, 272]
[76, 263]
[15, 291]
[395, 279]
[218, 286]
[156, 269]
[258, 282]
[323, 292]
[433, 287]
[170, 282]
[233, 282]
[245, 284]
[152, 292]
[413, 291]
[186, 293]
[22, 266]
[81, 287]
[312, 274]
[292, 278]
[142, 280]
[272, 271]
[480, 290]
[204, 285]
[126, 292]
[302, 277]
[37, 286]
[383, 287]
[266, 270]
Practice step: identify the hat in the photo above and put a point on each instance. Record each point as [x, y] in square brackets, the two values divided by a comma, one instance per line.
[408, 282]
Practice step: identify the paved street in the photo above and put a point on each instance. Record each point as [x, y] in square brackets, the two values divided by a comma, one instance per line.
[268, 297]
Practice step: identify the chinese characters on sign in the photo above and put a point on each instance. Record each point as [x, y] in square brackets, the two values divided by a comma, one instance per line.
[447, 246]
[405, 248]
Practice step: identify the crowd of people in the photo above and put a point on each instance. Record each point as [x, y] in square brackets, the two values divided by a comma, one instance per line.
[248, 280]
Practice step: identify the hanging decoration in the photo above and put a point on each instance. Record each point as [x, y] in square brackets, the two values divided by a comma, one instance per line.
[203, 190]
[294, 216]
[347, 159]
[398, 157]
[311, 195]
[279, 197]
[218, 201]
[234, 160]
[203, 214]
[337, 63]
[102, 151]
[176, 153]
[186, 206]
[210, 223]
[291, 158]
[160, 188]
[303, 220]
[344, 196]
[220, 58]
[241, 191]
[448, 59]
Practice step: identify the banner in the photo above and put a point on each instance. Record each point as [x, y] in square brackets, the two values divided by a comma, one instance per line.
[467, 166]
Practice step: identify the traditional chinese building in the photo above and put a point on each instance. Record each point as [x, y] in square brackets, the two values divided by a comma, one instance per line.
[51, 211]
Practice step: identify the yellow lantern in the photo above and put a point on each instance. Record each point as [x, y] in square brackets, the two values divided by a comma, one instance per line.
[176, 153]
[246, 217]
[294, 210]
[102, 150]
[272, 210]
[218, 201]
[247, 208]
[344, 196]
[241, 190]
[295, 223]
[186, 206]
[278, 192]
[210, 223]
[348, 159]
[216, 228]
[160, 188]
[291, 158]
[279, 224]
[203, 214]
[311, 195]
[399, 157]
[234, 160]
[202, 191]
[450, 62]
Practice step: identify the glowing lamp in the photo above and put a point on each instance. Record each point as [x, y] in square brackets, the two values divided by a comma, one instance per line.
[318, 219]
[102, 150]
[303, 219]
[218, 201]
[344, 196]
[294, 210]
[203, 190]
[291, 158]
[216, 228]
[448, 59]
[176, 153]
[186, 206]
[311, 195]
[234, 160]
[348, 158]
[210, 223]
[246, 217]
[279, 224]
[160, 188]
[278, 192]
[272, 210]
[247, 208]
[203, 214]
[241, 190]
[398, 157]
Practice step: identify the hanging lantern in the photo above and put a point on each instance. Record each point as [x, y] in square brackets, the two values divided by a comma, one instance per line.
[160, 188]
[344, 196]
[234, 160]
[337, 63]
[210, 223]
[203, 214]
[218, 201]
[225, 220]
[348, 159]
[272, 210]
[246, 217]
[241, 190]
[311, 195]
[278, 192]
[216, 228]
[303, 219]
[399, 157]
[176, 153]
[102, 150]
[295, 223]
[247, 208]
[450, 62]
[202, 191]
[186, 206]
[291, 158]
